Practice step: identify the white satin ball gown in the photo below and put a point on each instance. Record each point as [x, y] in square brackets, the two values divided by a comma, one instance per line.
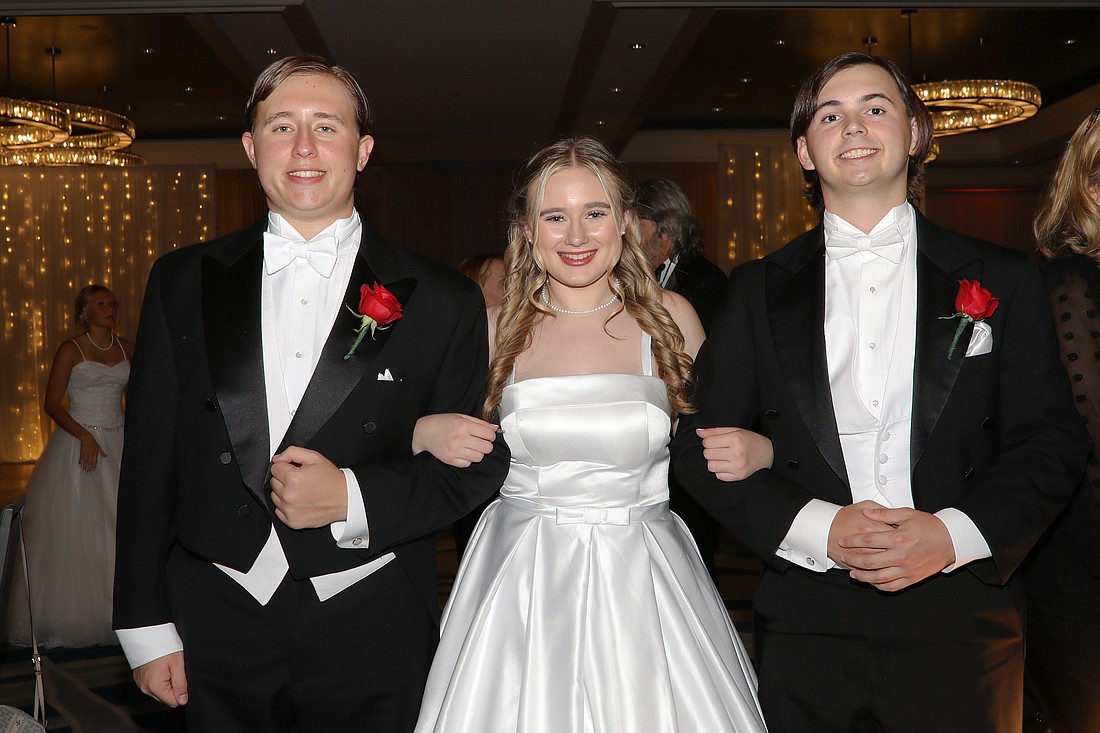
[69, 521]
[582, 603]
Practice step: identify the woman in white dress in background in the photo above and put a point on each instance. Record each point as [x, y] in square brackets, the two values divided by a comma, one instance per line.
[69, 514]
[582, 603]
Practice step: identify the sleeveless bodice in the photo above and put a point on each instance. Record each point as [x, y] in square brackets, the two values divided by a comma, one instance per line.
[95, 393]
[588, 439]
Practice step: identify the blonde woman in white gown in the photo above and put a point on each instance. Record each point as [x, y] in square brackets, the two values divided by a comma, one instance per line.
[69, 514]
[582, 603]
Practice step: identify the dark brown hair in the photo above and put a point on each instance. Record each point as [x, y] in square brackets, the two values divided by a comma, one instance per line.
[805, 107]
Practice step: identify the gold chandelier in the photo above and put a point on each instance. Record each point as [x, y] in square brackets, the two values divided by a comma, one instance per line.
[40, 132]
[965, 105]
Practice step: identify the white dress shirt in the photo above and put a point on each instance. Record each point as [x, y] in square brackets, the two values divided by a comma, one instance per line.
[870, 339]
[299, 306]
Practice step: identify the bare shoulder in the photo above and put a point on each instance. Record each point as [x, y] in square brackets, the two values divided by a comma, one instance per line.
[687, 319]
[681, 310]
[675, 304]
[68, 351]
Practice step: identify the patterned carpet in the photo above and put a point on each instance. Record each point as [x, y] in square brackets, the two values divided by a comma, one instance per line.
[91, 690]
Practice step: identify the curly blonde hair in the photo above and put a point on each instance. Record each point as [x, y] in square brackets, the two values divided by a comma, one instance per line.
[631, 277]
[1069, 217]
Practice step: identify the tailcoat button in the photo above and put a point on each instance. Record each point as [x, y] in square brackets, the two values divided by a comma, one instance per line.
[244, 510]
[369, 427]
[771, 414]
[987, 423]
[792, 464]
[211, 406]
[968, 472]
[226, 458]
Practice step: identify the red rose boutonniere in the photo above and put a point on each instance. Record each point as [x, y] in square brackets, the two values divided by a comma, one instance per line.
[378, 309]
[973, 304]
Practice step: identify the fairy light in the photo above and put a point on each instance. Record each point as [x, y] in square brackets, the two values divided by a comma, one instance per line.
[61, 228]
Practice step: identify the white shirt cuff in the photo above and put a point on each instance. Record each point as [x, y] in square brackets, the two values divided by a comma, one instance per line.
[969, 543]
[353, 533]
[144, 644]
[807, 541]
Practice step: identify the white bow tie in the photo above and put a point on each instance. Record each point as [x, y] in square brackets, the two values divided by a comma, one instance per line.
[319, 252]
[887, 244]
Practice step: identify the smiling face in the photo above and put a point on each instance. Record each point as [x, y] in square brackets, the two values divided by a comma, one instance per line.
[577, 235]
[859, 140]
[306, 149]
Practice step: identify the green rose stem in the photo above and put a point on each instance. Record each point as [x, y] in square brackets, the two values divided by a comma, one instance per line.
[368, 322]
[963, 320]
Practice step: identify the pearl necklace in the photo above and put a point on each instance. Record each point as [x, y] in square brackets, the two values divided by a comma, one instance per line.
[551, 306]
[102, 348]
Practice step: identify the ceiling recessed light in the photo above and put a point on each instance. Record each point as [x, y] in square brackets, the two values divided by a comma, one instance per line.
[780, 42]
[272, 51]
[716, 109]
[105, 88]
[148, 50]
[220, 118]
[189, 89]
[637, 46]
[616, 90]
[599, 122]
[1069, 41]
[745, 79]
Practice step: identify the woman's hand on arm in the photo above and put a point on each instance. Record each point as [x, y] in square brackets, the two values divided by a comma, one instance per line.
[734, 454]
[456, 439]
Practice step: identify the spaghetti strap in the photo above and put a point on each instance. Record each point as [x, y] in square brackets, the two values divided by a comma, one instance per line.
[82, 357]
[647, 355]
[125, 356]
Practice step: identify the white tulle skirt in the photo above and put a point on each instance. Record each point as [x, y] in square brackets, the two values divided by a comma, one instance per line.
[69, 529]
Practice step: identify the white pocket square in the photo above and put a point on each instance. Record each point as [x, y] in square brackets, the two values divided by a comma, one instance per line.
[981, 340]
[387, 377]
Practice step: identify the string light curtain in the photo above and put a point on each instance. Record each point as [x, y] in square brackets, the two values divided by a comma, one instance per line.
[61, 229]
[760, 187]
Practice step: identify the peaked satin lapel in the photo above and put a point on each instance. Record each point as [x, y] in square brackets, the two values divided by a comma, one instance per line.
[796, 313]
[335, 377]
[234, 349]
[939, 269]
